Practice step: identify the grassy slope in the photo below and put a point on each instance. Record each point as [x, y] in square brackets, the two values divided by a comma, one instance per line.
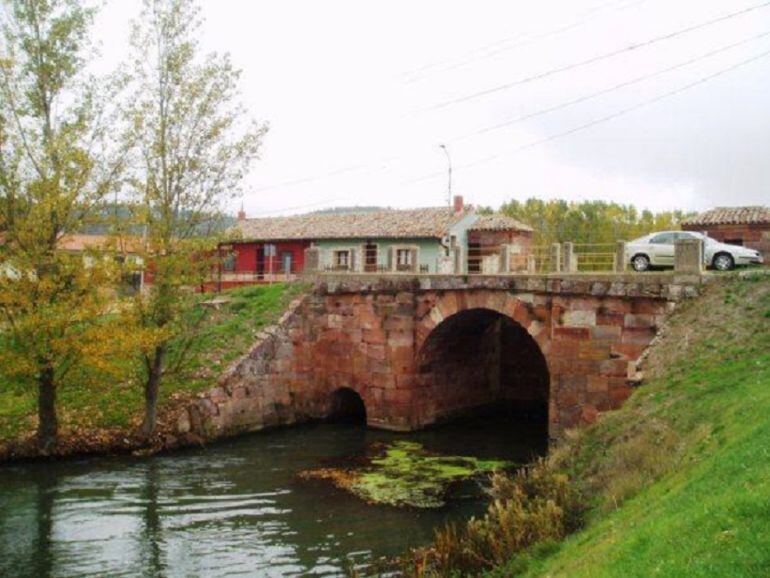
[226, 334]
[680, 477]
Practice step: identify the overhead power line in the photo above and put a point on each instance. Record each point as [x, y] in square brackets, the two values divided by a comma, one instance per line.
[599, 120]
[594, 59]
[506, 45]
[616, 87]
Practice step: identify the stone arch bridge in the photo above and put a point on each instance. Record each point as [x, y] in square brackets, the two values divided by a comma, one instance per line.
[423, 350]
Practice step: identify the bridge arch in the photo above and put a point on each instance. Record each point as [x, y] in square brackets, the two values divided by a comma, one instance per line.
[519, 308]
[346, 405]
[484, 352]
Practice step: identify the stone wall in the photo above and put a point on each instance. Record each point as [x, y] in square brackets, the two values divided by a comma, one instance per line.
[419, 350]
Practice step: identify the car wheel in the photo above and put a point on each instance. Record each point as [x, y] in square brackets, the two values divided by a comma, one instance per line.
[723, 262]
[640, 263]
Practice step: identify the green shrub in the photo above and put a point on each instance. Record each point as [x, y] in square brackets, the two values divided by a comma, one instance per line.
[535, 505]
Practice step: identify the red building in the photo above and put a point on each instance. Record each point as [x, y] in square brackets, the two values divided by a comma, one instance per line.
[264, 258]
[261, 257]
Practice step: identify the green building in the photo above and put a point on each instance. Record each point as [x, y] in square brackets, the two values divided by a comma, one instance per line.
[424, 241]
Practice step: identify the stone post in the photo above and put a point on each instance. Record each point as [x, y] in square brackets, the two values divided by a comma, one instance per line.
[620, 257]
[555, 258]
[688, 256]
[531, 264]
[505, 259]
[313, 260]
[569, 258]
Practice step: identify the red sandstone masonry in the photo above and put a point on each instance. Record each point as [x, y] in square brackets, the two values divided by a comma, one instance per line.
[367, 333]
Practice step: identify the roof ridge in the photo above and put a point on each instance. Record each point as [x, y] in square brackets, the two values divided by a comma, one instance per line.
[362, 213]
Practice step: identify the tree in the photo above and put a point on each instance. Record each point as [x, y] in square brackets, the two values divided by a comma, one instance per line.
[193, 145]
[55, 169]
[588, 222]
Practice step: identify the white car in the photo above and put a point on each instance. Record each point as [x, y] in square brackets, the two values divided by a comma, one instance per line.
[657, 250]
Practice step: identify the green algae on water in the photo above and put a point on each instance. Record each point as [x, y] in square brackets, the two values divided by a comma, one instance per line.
[405, 474]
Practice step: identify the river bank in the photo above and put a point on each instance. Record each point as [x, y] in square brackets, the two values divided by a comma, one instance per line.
[99, 417]
[675, 483]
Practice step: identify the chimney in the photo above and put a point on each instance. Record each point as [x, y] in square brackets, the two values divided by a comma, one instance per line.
[241, 214]
[458, 204]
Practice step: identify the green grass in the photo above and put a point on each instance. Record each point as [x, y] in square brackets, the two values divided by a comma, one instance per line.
[678, 480]
[225, 334]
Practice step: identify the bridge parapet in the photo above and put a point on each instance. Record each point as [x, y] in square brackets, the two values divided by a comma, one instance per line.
[668, 286]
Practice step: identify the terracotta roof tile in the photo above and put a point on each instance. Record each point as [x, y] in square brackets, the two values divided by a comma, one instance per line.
[499, 223]
[79, 242]
[390, 223]
[731, 216]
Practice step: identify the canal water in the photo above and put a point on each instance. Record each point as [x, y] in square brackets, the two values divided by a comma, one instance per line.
[231, 509]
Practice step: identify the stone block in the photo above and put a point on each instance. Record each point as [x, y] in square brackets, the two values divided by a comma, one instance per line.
[183, 423]
[398, 323]
[606, 332]
[598, 384]
[640, 320]
[374, 336]
[595, 350]
[613, 367]
[572, 333]
[627, 350]
[218, 395]
[637, 335]
[377, 352]
[579, 318]
[400, 339]
[589, 414]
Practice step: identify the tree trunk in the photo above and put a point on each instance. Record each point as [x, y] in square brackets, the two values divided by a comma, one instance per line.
[151, 388]
[48, 424]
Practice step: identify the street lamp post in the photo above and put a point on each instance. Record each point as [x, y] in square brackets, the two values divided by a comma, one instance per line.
[449, 173]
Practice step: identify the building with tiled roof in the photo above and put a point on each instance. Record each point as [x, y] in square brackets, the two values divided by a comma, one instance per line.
[499, 223]
[429, 223]
[430, 240]
[731, 216]
[746, 226]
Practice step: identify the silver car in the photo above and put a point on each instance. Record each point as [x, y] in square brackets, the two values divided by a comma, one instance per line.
[657, 250]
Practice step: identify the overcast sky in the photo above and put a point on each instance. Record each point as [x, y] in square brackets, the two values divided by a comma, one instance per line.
[359, 95]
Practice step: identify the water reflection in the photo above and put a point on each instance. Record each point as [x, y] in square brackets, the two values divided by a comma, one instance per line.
[227, 510]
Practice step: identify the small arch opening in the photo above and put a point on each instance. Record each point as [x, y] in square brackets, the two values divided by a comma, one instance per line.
[347, 406]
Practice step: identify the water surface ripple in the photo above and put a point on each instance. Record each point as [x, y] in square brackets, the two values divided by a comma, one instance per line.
[231, 509]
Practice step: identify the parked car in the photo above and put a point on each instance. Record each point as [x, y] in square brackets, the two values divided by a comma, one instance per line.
[657, 250]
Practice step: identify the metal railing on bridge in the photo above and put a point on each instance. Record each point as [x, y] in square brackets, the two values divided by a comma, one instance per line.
[595, 257]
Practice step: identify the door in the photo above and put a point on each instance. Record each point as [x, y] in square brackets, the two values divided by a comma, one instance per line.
[663, 249]
[287, 262]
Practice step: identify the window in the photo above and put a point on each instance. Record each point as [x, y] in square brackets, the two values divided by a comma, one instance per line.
[370, 256]
[474, 257]
[228, 263]
[663, 239]
[734, 242]
[341, 259]
[404, 259]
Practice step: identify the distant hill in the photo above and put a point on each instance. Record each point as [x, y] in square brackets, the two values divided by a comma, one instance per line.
[103, 223]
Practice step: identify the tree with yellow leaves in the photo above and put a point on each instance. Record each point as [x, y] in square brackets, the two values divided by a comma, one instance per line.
[192, 145]
[56, 167]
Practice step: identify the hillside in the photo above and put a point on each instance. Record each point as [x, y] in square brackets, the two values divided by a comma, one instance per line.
[678, 480]
[98, 415]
